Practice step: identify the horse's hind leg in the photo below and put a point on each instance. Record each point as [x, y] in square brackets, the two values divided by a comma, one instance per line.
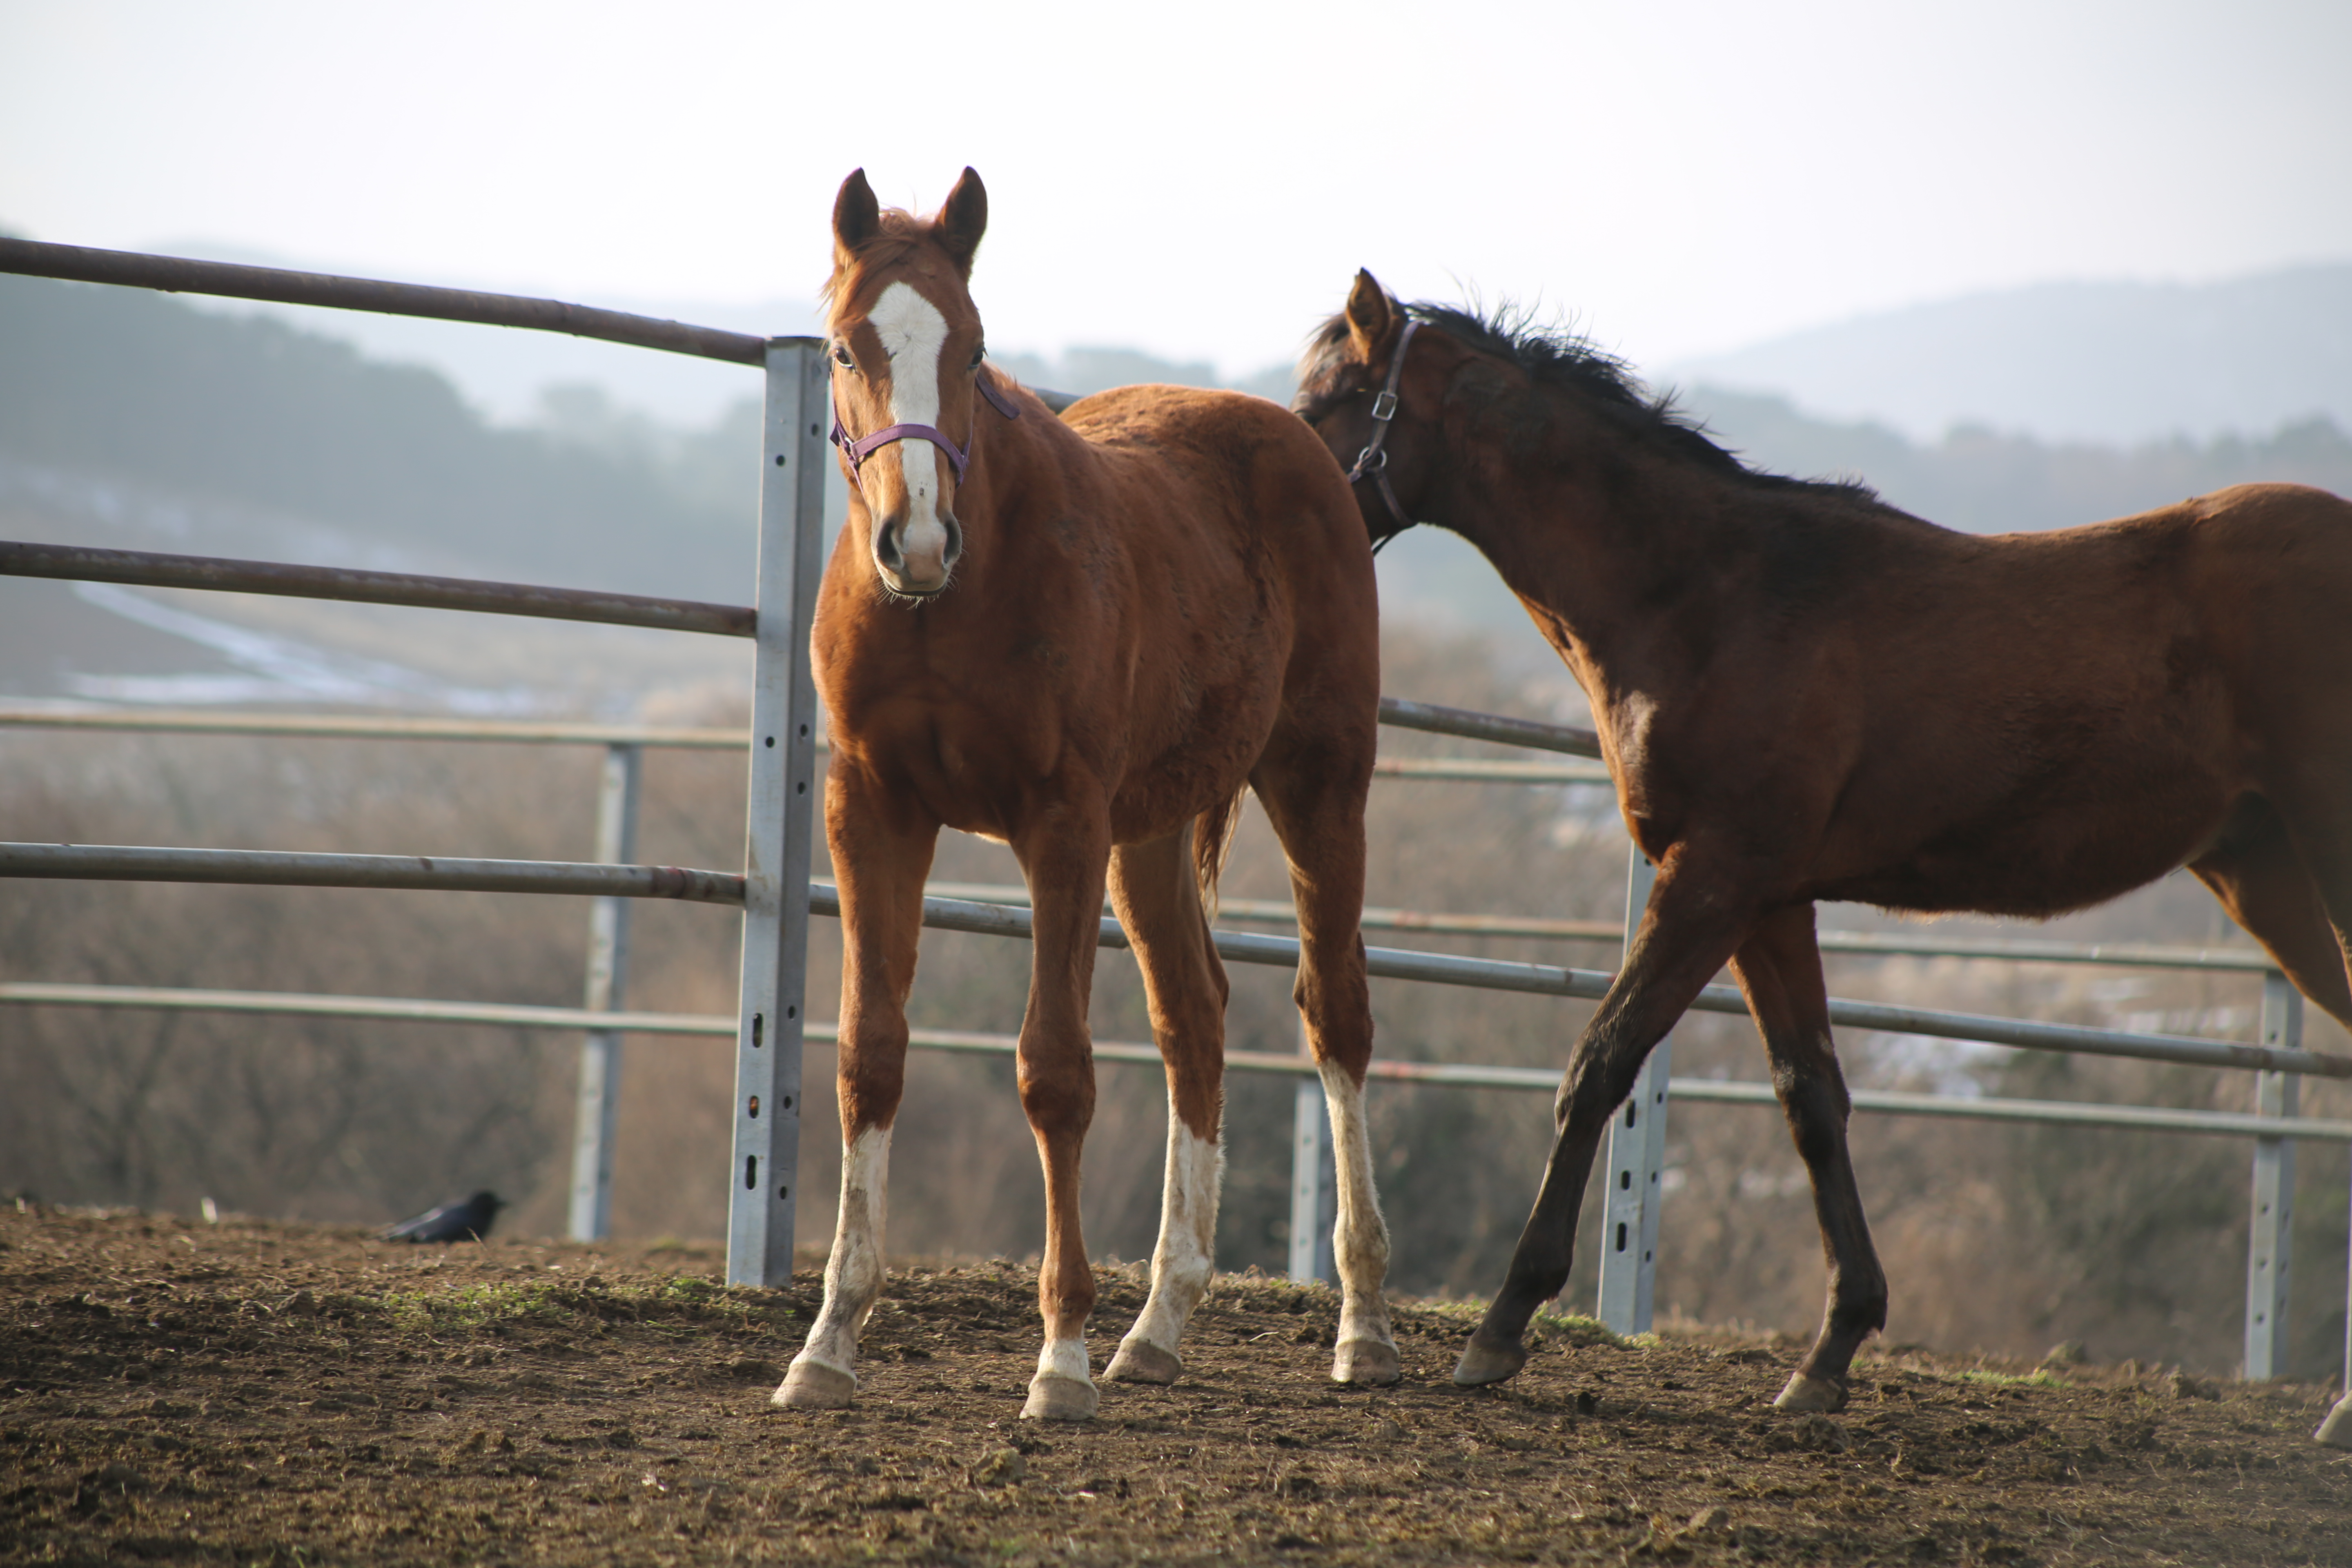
[1158, 904]
[1315, 798]
[2262, 878]
[1780, 968]
[1065, 862]
[880, 857]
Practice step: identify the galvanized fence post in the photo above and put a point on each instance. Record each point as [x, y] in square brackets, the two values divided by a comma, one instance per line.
[607, 990]
[1313, 1179]
[764, 1168]
[1637, 1157]
[2270, 1248]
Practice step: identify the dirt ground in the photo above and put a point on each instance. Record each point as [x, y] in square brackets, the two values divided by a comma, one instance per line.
[243, 1393]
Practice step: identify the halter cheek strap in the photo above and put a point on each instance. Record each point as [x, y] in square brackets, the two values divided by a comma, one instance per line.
[959, 457]
[1372, 462]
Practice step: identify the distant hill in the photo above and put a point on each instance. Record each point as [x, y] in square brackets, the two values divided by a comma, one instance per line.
[131, 419]
[2115, 363]
[317, 453]
[1983, 482]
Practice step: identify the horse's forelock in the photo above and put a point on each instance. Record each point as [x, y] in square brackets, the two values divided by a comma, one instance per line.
[900, 237]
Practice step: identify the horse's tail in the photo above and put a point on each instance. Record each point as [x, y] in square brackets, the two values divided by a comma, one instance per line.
[1213, 845]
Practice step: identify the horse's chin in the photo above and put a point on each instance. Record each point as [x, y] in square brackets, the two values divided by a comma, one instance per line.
[902, 588]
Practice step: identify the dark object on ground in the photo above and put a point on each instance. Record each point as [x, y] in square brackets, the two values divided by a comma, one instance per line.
[468, 1221]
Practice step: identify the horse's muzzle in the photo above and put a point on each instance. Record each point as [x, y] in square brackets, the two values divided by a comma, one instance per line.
[916, 559]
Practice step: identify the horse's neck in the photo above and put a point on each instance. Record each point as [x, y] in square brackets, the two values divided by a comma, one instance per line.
[1011, 473]
[1596, 545]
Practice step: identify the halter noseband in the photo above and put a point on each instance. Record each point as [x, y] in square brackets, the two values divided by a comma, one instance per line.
[1372, 463]
[959, 457]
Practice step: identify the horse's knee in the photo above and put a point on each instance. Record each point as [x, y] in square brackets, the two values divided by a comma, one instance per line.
[1058, 1103]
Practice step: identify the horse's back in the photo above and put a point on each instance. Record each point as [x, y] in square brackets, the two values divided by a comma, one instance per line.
[1254, 581]
[1230, 464]
[1239, 452]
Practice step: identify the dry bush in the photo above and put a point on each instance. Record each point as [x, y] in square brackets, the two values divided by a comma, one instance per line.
[2005, 1239]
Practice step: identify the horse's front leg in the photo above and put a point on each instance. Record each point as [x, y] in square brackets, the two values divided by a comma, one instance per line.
[1066, 862]
[881, 853]
[1690, 927]
[1780, 968]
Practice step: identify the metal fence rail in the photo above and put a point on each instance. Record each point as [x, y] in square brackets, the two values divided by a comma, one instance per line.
[148, 569]
[288, 868]
[1389, 1069]
[781, 748]
[180, 275]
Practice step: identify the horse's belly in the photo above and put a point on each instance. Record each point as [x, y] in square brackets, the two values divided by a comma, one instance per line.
[2046, 857]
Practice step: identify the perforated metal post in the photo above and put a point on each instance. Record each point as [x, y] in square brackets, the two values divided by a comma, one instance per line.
[2269, 1249]
[608, 978]
[1314, 1180]
[763, 1170]
[1637, 1155]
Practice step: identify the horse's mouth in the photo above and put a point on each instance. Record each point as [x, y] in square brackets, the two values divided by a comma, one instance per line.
[908, 591]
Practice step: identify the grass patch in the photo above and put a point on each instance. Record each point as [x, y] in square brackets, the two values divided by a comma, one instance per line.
[590, 1303]
[1585, 1332]
[2010, 1379]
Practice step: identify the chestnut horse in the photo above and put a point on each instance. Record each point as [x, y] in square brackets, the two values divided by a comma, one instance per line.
[1083, 636]
[1804, 694]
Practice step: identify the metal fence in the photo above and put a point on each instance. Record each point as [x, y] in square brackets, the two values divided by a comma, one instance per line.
[783, 744]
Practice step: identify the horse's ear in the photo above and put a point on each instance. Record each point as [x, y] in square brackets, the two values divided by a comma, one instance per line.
[964, 219]
[856, 216]
[1369, 315]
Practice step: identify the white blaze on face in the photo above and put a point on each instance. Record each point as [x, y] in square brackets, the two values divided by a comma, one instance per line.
[913, 333]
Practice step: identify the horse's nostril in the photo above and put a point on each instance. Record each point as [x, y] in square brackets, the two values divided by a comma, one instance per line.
[955, 541]
[885, 548]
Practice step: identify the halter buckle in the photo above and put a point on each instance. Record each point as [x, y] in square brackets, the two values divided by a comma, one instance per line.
[1384, 406]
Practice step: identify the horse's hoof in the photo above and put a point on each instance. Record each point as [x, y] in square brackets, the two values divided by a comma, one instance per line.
[1367, 1362]
[1054, 1398]
[1481, 1364]
[811, 1385]
[1808, 1395]
[1141, 1361]
[2336, 1430]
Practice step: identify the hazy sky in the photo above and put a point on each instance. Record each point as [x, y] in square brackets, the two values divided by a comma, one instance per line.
[1202, 180]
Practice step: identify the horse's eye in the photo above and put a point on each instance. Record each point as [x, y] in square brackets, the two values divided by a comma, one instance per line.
[841, 357]
[979, 355]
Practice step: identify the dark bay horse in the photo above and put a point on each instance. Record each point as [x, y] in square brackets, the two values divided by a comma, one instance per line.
[1083, 636]
[1805, 694]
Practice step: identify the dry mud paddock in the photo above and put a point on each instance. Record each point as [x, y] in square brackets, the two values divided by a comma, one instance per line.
[253, 1392]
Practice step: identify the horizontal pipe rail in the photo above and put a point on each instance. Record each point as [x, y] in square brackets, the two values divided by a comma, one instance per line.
[1546, 979]
[1281, 912]
[150, 569]
[1865, 943]
[1481, 771]
[358, 727]
[183, 275]
[1472, 726]
[386, 1009]
[277, 868]
[1454, 1075]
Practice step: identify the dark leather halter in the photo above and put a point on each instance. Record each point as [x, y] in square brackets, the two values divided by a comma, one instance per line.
[1372, 462]
[959, 457]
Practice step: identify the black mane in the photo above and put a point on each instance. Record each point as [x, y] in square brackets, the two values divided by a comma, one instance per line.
[1560, 356]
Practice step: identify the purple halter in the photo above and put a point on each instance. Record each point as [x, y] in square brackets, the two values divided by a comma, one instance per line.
[1372, 463]
[959, 457]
